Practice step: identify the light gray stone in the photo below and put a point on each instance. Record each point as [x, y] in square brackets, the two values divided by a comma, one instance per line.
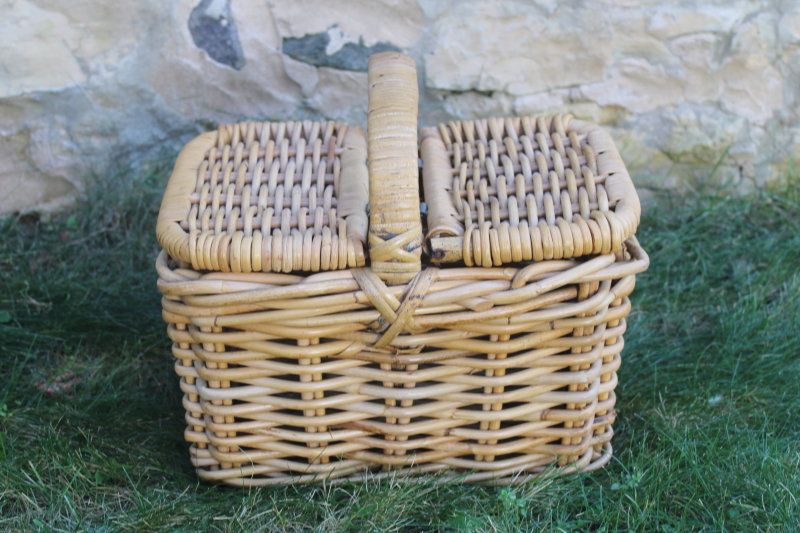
[305, 75]
[668, 21]
[36, 47]
[399, 22]
[637, 85]
[696, 93]
[513, 47]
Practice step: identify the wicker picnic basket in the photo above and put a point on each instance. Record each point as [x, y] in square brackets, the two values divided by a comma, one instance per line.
[300, 363]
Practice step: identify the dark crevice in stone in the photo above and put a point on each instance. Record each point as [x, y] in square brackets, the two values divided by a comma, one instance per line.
[213, 30]
[455, 92]
[311, 49]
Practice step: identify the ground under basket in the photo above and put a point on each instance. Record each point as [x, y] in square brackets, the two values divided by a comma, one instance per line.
[299, 363]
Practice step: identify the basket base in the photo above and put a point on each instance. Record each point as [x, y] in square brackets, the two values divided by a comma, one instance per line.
[534, 467]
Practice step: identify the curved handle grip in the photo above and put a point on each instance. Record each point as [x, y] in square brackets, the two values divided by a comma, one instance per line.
[395, 226]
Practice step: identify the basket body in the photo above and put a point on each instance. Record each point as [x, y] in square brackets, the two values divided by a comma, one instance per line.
[303, 358]
[283, 382]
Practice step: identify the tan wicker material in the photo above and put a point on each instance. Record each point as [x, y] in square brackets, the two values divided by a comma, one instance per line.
[521, 189]
[395, 228]
[494, 395]
[241, 200]
[490, 374]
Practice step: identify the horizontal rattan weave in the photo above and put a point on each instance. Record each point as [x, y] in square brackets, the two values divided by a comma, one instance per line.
[261, 197]
[521, 189]
[285, 379]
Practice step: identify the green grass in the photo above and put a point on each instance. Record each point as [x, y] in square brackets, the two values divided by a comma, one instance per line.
[707, 438]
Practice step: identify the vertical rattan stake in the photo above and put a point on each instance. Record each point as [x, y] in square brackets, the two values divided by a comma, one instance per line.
[395, 228]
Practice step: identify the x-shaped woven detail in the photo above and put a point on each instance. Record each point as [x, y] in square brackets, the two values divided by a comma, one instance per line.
[396, 315]
[393, 249]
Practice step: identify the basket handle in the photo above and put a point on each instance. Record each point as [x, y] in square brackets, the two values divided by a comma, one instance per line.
[395, 226]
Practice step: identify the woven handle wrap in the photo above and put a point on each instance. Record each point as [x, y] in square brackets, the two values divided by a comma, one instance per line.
[395, 227]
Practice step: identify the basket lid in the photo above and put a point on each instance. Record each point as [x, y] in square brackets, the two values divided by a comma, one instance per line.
[519, 189]
[268, 196]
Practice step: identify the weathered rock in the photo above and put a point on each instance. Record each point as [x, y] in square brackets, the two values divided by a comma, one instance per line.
[320, 50]
[398, 22]
[513, 47]
[696, 94]
[636, 85]
[213, 30]
[36, 48]
[20, 180]
[690, 87]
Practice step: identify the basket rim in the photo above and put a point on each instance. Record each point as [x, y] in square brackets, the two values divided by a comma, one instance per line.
[175, 204]
[251, 293]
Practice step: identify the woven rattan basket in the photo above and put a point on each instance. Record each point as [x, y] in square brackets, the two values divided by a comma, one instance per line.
[299, 363]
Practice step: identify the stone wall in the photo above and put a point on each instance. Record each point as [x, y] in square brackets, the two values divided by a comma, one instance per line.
[696, 93]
